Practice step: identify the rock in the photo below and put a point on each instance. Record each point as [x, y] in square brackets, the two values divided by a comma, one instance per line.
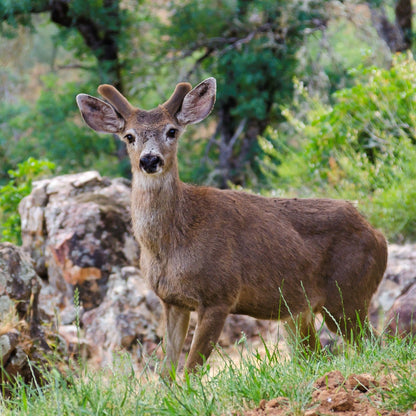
[124, 319]
[23, 341]
[8, 342]
[75, 344]
[77, 230]
[401, 317]
[18, 281]
[400, 274]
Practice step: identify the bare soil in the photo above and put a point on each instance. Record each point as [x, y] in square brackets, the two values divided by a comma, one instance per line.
[358, 395]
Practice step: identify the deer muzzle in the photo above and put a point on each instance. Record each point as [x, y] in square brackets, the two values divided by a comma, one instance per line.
[151, 163]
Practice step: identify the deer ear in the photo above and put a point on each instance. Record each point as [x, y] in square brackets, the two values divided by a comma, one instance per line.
[99, 115]
[198, 103]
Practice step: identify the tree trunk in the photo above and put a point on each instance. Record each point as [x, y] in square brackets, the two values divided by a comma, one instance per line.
[397, 35]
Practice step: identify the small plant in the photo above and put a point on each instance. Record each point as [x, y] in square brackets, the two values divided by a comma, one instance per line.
[19, 185]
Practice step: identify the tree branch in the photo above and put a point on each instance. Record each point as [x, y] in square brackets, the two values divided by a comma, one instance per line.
[38, 6]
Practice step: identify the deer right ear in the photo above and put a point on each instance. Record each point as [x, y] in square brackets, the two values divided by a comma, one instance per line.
[99, 115]
[198, 103]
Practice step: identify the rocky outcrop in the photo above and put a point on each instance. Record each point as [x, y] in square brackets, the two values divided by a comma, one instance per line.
[77, 230]
[19, 282]
[23, 341]
[401, 318]
[391, 296]
[128, 318]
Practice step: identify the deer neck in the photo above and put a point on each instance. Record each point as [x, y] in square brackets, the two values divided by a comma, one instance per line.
[155, 204]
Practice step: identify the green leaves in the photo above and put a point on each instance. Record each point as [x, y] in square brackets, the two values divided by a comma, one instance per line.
[19, 185]
[362, 147]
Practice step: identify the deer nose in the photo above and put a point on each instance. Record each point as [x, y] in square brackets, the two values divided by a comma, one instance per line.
[150, 163]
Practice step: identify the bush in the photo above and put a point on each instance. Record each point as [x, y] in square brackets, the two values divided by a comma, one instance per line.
[360, 148]
[14, 191]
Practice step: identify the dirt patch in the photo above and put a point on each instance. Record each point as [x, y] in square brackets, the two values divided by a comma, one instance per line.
[359, 394]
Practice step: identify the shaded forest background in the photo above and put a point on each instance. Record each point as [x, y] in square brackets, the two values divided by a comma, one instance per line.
[315, 98]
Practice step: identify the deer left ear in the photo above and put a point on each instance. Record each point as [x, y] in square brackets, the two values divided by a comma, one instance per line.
[198, 103]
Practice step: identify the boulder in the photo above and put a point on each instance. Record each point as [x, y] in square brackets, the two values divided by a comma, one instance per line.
[18, 281]
[23, 342]
[77, 230]
[129, 318]
[401, 318]
[399, 276]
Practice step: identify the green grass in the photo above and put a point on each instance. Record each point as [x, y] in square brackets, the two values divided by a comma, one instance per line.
[225, 387]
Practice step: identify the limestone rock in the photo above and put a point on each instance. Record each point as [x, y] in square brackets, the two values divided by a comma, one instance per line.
[129, 317]
[400, 273]
[401, 317]
[18, 281]
[77, 229]
[22, 338]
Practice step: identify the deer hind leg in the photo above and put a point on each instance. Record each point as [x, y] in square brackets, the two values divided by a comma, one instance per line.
[345, 310]
[351, 323]
[302, 327]
[353, 279]
[177, 323]
[209, 326]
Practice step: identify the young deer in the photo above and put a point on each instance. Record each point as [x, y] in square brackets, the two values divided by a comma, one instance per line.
[218, 252]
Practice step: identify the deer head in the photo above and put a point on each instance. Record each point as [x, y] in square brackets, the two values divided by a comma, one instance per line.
[151, 136]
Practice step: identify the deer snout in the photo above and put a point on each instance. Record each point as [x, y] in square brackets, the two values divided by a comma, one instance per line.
[151, 163]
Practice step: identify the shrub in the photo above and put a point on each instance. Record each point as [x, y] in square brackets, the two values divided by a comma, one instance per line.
[362, 147]
[19, 185]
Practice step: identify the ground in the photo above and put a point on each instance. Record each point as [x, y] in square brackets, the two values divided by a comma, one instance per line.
[358, 395]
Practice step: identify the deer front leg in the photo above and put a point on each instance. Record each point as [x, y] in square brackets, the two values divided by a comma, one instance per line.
[209, 326]
[177, 322]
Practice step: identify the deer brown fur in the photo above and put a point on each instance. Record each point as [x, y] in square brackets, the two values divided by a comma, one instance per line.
[218, 252]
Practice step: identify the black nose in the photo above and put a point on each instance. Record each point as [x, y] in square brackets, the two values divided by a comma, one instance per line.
[150, 163]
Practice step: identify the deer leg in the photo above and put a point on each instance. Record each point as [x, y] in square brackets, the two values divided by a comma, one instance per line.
[303, 327]
[352, 324]
[209, 326]
[177, 322]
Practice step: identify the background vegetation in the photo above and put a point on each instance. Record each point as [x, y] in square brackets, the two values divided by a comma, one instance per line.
[315, 98]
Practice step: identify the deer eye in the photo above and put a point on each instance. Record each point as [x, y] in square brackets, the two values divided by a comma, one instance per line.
[171, 133]
[130, 138]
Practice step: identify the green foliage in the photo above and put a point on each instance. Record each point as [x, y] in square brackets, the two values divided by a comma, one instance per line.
[51, 128]
[251, 48]
[19, 185]
[363, 147]
[16, 12]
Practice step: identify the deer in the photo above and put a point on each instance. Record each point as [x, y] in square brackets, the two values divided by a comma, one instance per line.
[221, 251]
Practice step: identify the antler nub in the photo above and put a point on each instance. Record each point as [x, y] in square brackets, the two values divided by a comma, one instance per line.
[173, 104]
[116, 99]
